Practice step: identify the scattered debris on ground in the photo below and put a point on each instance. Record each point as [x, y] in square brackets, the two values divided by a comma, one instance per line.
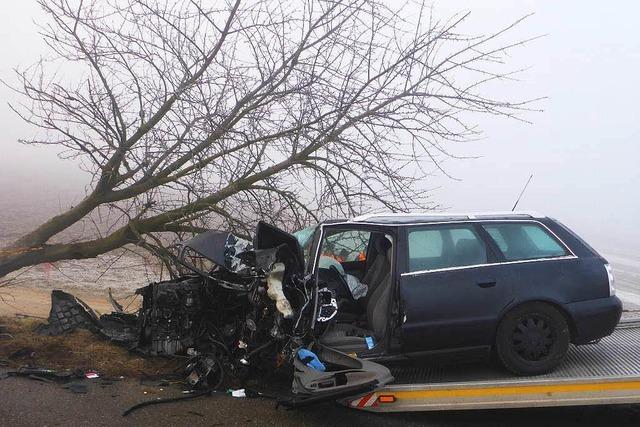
[77, 350]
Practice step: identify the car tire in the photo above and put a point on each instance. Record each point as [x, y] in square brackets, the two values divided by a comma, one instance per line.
[532, 339]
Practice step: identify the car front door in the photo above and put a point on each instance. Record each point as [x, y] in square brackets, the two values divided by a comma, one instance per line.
[452, 290]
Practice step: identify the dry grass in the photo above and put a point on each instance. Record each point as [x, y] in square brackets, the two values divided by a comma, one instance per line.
[78, 350]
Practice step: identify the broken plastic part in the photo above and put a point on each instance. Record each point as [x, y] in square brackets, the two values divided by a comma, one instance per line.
[327, 305]
[91, 375]
[238, 393]
[370, 342]
[234, 247]
[67, 314]
[310, 359]
[120, 327]
[345, 373]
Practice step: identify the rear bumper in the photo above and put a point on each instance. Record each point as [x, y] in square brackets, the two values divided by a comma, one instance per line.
[594, 319]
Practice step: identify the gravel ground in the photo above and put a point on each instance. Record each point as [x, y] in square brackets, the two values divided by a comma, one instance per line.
[27, 402]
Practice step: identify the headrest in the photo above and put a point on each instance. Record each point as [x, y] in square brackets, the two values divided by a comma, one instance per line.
[469, 247]
[382, 244]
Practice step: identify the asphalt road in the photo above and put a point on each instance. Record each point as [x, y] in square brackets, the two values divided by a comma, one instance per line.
[25, 402]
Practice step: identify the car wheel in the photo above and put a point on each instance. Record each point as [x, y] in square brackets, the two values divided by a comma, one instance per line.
[532, 339]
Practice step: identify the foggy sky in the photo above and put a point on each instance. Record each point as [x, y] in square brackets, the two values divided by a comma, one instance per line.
[583, 149]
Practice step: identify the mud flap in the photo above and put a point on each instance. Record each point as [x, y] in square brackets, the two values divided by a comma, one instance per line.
[343, 376]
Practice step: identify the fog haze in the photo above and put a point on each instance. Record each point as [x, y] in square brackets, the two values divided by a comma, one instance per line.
[582, 149]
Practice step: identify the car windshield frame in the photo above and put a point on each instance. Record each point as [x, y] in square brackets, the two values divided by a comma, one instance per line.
[305, 238]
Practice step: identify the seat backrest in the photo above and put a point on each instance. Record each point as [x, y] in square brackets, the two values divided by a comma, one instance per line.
[470, 252]
[380, 266]
[378, 303]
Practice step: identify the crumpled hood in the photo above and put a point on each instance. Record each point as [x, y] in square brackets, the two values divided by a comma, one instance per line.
[220, 247]
[240, 255]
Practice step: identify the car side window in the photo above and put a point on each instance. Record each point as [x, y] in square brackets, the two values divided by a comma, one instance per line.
[432, 248]
[345, 246]
[523, 241]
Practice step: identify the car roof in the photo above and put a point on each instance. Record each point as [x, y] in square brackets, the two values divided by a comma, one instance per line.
[389, 218]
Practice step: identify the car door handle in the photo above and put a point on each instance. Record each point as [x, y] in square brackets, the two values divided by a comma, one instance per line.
[487, 284]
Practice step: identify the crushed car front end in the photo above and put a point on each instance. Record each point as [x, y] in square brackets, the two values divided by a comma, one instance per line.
[244, 310]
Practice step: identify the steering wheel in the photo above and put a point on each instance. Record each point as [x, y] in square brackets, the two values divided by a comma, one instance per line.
[343, 283]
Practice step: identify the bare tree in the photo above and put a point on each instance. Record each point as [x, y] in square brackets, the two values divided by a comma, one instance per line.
[188, 113]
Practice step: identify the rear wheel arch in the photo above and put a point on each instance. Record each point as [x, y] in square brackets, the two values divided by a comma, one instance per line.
[558, 306]
[532, 337]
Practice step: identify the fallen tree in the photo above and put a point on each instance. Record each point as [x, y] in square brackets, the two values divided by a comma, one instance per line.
[187, 114]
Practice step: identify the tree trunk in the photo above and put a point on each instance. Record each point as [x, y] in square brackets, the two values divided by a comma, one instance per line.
[54, 225]
[18, 258]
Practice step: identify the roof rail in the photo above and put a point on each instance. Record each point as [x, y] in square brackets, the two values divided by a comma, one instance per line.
[470, 215]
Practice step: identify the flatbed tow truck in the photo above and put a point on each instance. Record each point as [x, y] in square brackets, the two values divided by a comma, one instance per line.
[604, 373]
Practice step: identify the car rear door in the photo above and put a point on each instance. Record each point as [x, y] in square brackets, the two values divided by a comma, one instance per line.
[451, 288]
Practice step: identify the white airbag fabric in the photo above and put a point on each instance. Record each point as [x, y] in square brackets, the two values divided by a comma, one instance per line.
[274, 290]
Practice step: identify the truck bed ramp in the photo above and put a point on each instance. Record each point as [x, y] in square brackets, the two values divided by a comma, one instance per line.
[599, 374]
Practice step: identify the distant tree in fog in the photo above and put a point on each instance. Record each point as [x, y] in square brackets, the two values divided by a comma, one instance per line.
[190, 113]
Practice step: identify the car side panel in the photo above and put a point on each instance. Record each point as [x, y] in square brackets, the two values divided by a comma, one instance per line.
[450, 309]
[561, 281]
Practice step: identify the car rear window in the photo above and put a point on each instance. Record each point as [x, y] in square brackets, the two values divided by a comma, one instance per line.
[522, 241]
[432, 248]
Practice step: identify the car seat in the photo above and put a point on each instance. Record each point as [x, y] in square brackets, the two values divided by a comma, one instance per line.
[347, 337]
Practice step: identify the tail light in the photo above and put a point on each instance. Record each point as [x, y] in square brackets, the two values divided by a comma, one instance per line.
[612, 280]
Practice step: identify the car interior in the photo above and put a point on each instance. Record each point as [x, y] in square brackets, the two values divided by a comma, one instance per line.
[435, 248]
[350, 259]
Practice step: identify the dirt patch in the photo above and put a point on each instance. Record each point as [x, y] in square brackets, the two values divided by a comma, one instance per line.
[77, 350]
[37, 301]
